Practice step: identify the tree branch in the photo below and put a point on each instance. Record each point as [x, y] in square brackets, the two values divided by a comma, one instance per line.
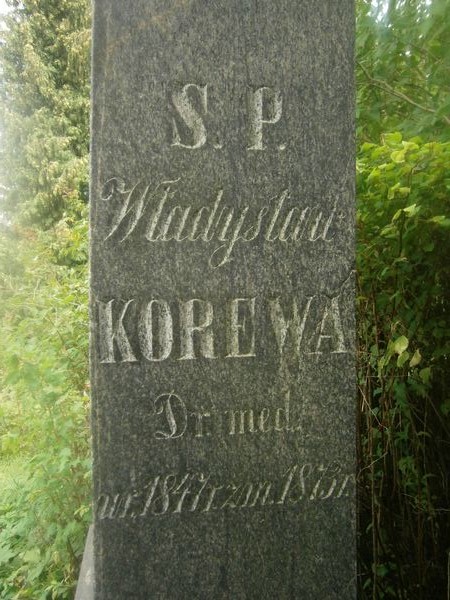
[387, 88]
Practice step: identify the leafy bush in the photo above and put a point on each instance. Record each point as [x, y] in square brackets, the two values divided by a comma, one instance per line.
[44, 409]
[45, 416]
[404, 376]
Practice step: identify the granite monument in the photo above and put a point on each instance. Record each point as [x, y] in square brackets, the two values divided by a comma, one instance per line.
[222, 290]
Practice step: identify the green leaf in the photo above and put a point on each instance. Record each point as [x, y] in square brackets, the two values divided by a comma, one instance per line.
[392, 190]
[402, 359]
[32, 556]
[6, 554]
[382, 570]
[374, 174]
[410, 145]
[440, 220]
[412, 210]
[398, 156]
[425, 374]
[400, 344]
[392, 139]
[416, 358]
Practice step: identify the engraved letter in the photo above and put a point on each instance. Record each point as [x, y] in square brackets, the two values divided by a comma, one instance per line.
[133, 207]
[290, 476]
[108, 511]
[183, 493]
[203, 480]
[335, 470]
[265, 106]
[330, 331]
[200, 428]
[133, 204]
[191, 119]
[264, 417]
[204, 317]
[261, 493]
[110, 333]
[176, 422]
[150, 495]
[239, 416]
[242, 328]
[102, 505]
[282, 416]
[344, 485]
[155, 330]
[166, 486]
[282, 325]
[214, 490]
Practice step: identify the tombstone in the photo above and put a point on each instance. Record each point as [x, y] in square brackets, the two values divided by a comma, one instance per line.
[86, 585]
[222, 290]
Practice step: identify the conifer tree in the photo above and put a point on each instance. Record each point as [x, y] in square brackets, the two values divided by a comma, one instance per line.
[44, 100]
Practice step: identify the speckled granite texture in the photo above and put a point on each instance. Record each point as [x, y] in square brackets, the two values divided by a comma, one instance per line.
[222, 291]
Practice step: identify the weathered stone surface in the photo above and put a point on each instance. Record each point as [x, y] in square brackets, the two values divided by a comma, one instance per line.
[222, 299]
[85, 587]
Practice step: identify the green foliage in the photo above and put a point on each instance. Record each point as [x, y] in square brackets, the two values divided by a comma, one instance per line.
[44, 409]
[404, 378]
[44, 414]
[403, 68]
[44, 109]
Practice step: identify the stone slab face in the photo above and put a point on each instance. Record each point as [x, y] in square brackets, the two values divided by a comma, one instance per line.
[85, 586]
[222, 299]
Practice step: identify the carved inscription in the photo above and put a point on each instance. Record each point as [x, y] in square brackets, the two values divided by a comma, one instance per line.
[247, 327]
[175, 419]
[265, 108]
[191, 118]
[132, 330]
[161, 213]
[172, 493]
[190, 107]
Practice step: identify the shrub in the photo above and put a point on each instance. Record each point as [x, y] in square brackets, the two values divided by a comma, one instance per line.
[404, 377]
[45, 411]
